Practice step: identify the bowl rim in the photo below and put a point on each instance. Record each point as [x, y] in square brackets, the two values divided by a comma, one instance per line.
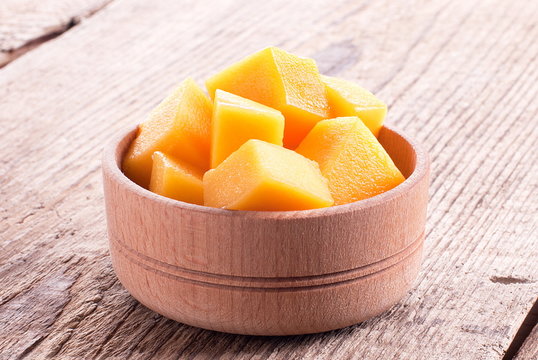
[111, 168]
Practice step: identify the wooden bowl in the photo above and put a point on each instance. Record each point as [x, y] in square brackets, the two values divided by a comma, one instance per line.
[268, 273]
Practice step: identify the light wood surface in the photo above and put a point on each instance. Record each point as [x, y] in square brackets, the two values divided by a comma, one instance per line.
[459, 76]
[268, 273]
[25, 24]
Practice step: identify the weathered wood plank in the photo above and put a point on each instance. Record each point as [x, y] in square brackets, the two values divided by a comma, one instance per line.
[460, 76]
[24, 24]
[529, 350]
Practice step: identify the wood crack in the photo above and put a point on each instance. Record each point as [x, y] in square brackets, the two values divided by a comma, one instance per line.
[10, 55]
[51, 28]
[524, 331]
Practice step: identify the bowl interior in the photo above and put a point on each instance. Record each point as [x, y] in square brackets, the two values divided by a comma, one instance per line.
[401, 150]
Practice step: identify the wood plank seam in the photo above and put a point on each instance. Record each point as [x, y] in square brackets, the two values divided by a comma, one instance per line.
[524, 346]
[43, 12]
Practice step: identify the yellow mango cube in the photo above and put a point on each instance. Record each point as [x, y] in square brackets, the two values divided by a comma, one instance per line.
[286, 82]
[179, 126]
[266, 177]
[349, 99]
[350, 157]
[236, 120]
[175, 179]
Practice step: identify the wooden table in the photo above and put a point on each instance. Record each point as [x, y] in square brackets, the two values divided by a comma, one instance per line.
[461, 76]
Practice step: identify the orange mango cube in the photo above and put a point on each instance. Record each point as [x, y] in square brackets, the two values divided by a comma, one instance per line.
[236, 120]
[350, 157]
[266, 177]
[175, 179]
[283, 81]
[179, 126]
[349, 99]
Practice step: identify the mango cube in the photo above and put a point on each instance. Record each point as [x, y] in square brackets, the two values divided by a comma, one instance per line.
[266, 177]
[283, 81]
[350, 157]
[349, 99]
[179, 126]
[175, 179]
[236, 120]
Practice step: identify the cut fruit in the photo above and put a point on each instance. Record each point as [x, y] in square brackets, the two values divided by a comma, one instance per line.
[179, 126]
[283, 81]
[349, 99]
[237, 120]
[350, 157]
[175, 179]
[266, 177]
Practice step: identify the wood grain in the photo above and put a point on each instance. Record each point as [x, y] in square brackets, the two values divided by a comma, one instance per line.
[25, 24]
[459, 76]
